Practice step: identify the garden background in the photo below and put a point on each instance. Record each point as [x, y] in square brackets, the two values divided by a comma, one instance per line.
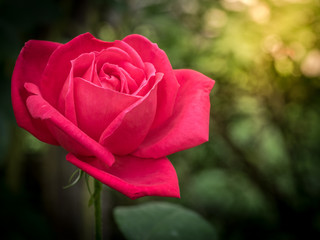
[258, 177]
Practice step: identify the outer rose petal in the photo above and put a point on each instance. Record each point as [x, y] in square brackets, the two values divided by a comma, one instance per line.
[96, 107]
[67, 134]
[168, 88]
[189, 124]
[132, 176]
[29, 68]
[128, 130]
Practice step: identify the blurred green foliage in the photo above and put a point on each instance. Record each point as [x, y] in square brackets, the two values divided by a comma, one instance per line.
[259, 175]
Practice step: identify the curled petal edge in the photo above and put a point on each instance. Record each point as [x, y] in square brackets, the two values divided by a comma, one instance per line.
[134, 177]
[189, 124]
[40, 108]
[29, 66]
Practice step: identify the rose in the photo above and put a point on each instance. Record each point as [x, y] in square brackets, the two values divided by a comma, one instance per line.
[118, 107]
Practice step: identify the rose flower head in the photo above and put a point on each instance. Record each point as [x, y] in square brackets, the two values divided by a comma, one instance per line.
[117, 107]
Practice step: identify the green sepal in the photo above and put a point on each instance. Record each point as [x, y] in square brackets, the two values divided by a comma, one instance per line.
[72, 183]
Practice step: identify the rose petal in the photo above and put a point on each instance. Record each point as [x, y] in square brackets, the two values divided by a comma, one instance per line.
[97, 107]
[67, 134]
[149, 69]
[135, 57]
[119, 57]
[59, 64]
[189, 124]
[128, 129]
[146, 86]
[132, 176]
[117, 78]
[135, 73]
[29, 68]
[112, 55]
[168, 88]
[66, 100]
[84, 67]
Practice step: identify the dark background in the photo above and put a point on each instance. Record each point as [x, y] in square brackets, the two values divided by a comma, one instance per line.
[259, 175]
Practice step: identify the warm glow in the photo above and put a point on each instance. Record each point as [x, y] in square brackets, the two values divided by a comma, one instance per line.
[260, 13]
[311, 64]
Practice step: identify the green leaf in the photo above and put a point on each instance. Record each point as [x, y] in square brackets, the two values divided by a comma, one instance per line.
[162, 221]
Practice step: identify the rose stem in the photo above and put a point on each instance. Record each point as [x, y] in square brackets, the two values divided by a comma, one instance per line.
[97, 209]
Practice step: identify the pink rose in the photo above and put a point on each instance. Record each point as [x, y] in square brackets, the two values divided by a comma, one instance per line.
[118, 107]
